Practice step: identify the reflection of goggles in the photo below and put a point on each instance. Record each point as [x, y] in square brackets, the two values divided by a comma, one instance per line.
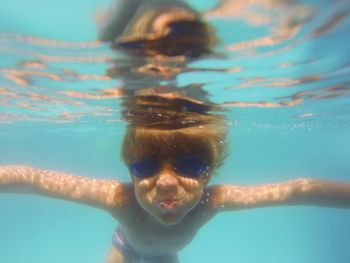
[188, 166]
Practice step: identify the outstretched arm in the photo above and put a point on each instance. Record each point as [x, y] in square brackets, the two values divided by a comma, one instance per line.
[296, 192]
[98, 193]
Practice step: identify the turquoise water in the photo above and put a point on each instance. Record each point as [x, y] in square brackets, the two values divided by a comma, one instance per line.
[283, 75]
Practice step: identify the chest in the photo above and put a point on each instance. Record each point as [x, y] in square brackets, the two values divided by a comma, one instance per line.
[152, 238]
[148, 236]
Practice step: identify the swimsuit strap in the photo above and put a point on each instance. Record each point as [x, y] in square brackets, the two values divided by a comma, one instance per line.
[123, 246]
[131, 255]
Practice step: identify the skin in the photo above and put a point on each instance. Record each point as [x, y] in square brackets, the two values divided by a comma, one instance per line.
[161, 215]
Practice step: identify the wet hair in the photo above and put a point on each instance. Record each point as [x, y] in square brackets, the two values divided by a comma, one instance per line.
[172, 128]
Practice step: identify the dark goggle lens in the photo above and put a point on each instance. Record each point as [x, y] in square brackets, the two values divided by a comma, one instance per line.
[191, 166]
[144, 168]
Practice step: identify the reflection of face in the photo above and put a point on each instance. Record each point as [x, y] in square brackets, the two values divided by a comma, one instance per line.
[168, 196]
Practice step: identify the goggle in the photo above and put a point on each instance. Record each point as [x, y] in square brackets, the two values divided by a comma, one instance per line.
[188, 166]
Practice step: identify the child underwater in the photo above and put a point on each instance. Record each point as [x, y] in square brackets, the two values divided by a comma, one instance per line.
[173, 145]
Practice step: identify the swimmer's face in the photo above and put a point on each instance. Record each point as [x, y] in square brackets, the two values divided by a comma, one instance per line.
[169, 189]
[169, 169]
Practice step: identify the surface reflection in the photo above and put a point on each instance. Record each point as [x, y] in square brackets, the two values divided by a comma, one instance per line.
[160, 38]
[249, 47]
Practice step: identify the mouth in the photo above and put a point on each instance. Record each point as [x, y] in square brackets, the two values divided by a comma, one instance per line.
[169, 204]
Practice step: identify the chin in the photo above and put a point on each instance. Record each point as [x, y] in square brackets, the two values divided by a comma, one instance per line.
[169, 218]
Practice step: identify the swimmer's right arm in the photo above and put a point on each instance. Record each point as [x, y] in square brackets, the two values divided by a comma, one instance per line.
[98, 193]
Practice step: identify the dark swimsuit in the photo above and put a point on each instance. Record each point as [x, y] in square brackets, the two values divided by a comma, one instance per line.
[130, 254]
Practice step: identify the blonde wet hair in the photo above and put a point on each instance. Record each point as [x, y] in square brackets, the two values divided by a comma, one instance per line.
[165, 132]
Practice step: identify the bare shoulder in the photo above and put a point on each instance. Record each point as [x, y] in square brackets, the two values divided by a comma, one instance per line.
[215, 196]
[207, 206]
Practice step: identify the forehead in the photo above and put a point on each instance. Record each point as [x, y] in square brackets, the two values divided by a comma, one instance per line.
[170, 145]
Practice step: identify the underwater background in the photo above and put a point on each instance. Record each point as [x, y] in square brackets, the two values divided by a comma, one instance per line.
[282, 75]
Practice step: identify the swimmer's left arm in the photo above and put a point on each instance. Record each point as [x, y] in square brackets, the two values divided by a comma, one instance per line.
[295, 192]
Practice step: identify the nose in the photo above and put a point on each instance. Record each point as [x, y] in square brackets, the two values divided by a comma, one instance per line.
[166, 181]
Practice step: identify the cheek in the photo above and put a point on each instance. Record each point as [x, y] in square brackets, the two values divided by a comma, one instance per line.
[192, 187]
[193, 200]
[193, 190]
[142, 190]
[143, 186]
